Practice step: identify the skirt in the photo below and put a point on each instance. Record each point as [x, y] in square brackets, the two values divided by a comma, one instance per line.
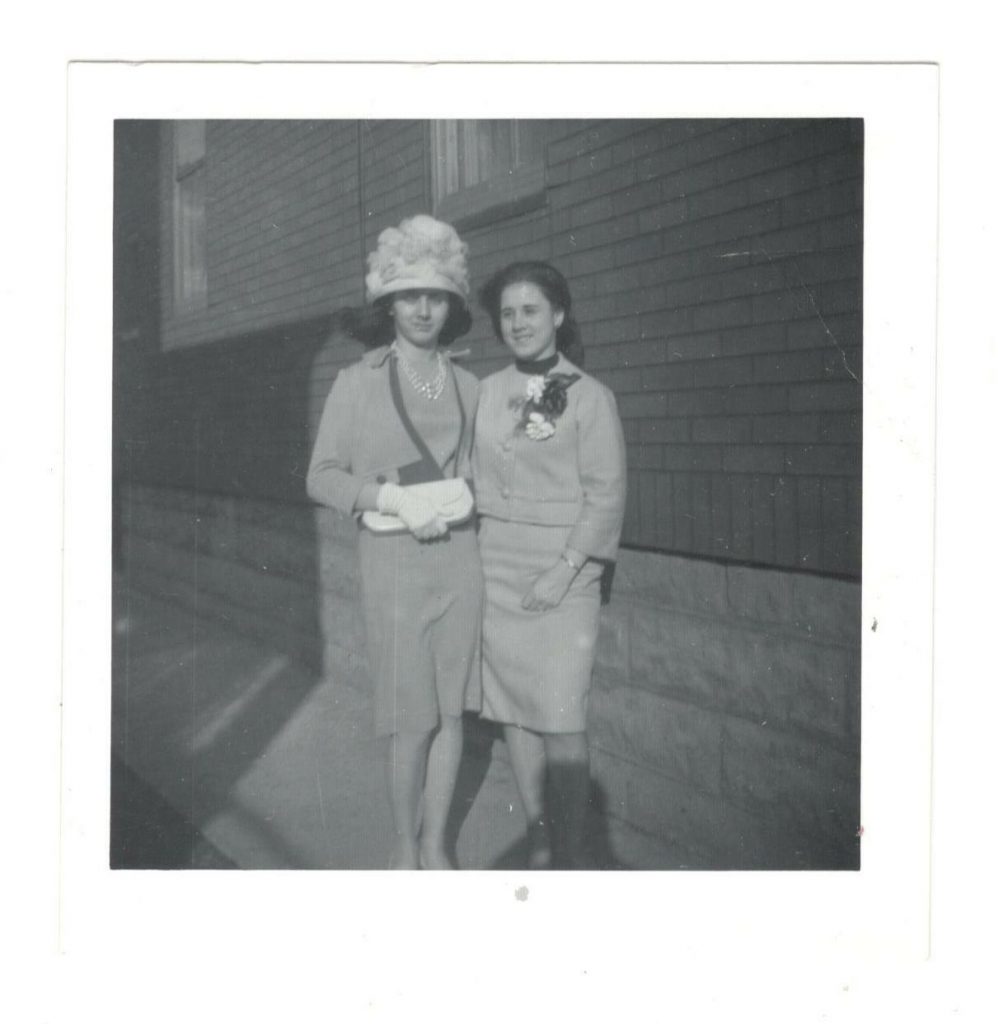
[536, 666]
[423, 617]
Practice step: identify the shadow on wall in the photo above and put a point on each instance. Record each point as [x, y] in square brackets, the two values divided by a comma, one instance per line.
[211, 518]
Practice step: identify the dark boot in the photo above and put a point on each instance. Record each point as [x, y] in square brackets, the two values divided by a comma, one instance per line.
[568, 799]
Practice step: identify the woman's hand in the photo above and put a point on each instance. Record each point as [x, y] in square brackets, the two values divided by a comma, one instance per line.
[421, 517]
[550, 587]
[418, 514]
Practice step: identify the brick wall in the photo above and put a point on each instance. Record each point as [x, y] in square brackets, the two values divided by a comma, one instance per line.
[717, 271]
[282, 226]
[394, 180]
[716, 268]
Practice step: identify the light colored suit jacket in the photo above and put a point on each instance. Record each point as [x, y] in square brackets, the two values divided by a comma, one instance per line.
[361, 438]
[577, 477]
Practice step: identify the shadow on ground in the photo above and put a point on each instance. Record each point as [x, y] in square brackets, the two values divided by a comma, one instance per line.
[483, 745]
[146, 832]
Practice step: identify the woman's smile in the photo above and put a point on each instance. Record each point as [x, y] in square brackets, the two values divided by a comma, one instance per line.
[528, 321]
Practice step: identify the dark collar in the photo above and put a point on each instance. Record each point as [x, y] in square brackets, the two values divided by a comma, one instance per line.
[536, 367]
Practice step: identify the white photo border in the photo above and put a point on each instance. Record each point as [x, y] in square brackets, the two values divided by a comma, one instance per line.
[570, 924]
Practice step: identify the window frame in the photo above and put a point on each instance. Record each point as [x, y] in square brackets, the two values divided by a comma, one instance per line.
[190, 283]
[523, 187]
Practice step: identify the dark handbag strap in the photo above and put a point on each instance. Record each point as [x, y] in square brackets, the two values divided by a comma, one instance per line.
[426, 456]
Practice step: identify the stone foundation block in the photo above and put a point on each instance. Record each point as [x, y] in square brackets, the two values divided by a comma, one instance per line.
[680, 741]
[339, 570]
[749, 674]
[166, 524]
[283, 602]
[294, 637]
[804, 784]
[669, 582]
[346, 666]
[342, 621]
[286, 552]
[613, 646]
[716, 835]
[819, 607]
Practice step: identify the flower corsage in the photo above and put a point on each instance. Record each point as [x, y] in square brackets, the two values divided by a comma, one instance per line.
[545, 400]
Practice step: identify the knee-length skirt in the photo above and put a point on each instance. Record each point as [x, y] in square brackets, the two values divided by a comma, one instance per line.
[536, 666]
[423, 614]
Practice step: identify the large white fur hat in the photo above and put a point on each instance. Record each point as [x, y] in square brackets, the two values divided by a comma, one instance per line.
[421, 252]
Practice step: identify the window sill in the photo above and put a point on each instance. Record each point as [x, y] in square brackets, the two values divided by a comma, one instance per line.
[517, 192]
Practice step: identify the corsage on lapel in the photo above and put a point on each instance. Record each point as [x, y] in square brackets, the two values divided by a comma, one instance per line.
[545, 400]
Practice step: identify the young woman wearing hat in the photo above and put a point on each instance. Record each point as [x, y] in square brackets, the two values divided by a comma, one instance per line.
[550, 479]
[403, 416]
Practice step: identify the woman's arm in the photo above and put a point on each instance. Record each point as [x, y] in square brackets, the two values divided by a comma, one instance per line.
[552, 585]
[602, 475]
[330, 480]
[603, 478]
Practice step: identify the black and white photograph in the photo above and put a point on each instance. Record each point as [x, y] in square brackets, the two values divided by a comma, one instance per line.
[487, 494]
[499, 531]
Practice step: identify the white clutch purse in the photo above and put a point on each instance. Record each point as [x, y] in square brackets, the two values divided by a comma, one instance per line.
[451, 497]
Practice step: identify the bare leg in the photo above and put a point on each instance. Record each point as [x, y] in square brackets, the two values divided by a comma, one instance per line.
[568, 773]
[526, 755]
[406, 772]
[441, 777]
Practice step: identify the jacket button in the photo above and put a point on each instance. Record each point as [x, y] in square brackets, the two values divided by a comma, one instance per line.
[505, 492]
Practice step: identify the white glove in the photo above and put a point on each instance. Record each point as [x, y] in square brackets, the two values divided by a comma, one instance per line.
[418, 514]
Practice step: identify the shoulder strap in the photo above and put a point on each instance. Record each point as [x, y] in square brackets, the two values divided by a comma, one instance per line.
[425, 455]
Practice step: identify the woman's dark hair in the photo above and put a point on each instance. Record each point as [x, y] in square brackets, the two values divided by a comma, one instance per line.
[568, 338]
[373, 325]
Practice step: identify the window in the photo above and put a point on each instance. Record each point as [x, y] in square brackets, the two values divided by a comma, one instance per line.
[483, 170]
[190, 250]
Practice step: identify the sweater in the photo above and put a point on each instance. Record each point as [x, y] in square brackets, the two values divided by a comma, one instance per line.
[576, 478]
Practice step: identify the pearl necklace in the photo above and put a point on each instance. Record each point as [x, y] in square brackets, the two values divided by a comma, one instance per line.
[431, 389]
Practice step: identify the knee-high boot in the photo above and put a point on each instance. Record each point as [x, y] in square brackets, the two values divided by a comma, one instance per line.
[568, 799]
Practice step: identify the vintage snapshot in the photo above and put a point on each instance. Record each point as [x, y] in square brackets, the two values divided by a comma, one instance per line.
[486, 502]
[488, 494]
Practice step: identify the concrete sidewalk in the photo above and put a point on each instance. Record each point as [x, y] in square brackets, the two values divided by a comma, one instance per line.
[229, 755]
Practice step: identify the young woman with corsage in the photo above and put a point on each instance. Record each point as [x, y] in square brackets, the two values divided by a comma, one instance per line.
[550, 482]
[393, 449]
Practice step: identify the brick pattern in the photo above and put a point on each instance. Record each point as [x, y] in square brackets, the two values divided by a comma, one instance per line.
[395, 180]
[718, 272]
[230, 418]
[716, 268]
[282, 226]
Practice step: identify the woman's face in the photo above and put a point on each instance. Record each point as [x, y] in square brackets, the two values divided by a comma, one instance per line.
[528, 321]
[420, 315]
